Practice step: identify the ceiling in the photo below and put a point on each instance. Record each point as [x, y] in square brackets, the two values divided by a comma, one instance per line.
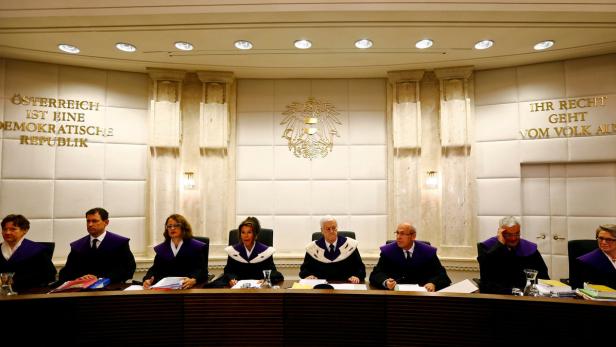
[32, 29]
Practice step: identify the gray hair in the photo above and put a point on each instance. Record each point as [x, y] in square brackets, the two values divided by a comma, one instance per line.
[326, 219]
[508, 221]
[610, 228]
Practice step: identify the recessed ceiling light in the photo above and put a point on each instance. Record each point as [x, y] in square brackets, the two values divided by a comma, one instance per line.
[484, 44]
[544, 45]
[425, 43]
[363, 43]
[68, 48]
[243, 44]
[302, 44]
[125, 47]
[183, 46]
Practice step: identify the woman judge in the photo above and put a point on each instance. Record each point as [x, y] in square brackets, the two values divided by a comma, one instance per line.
[179, 255]
[28, 260]
[248, 258]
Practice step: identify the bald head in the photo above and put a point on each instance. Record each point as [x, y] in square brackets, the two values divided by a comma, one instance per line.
[405, 235]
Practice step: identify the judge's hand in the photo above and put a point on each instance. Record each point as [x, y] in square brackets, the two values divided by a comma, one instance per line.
[311, 277]
[232, 283]
[148, 283]
[430, 287]
[354, 279]
[188, 283]
[390, 283]
[499, 236]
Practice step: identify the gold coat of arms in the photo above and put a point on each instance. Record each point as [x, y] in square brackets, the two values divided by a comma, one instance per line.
[310, 128]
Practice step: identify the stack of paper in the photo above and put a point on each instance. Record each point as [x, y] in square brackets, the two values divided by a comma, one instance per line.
[466, 286]
[244, 284]
[298, 285]
[410, 288]
[597, 291]
[554, 288]
[169, 283]
[82, 284]
[311, 282]
[589, 295]
[349, 286]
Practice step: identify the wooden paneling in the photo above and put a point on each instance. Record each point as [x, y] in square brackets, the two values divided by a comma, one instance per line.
[282, 317]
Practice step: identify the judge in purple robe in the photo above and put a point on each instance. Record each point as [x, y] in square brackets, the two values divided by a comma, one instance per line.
[248, 258]
[410, 262]
[180, 255]
[29, 261]
[599, 265]
[503, 258]
[333, 257]
[101, 254]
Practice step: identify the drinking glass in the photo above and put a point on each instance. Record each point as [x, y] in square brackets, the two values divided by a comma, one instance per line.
[6, 280]
[267, 282]
[531, 288]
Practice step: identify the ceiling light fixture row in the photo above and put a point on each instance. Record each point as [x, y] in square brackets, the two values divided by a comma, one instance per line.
[300, 44]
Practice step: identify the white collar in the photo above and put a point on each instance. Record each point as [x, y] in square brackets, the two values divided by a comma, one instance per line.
[249, 251]
[318, 253]
[100, 239]
[175, 249]
[234, 254]
[7, 252]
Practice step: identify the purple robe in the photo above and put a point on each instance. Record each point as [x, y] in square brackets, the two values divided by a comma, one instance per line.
[595, 267]
[31, 264]
[112, 259]
[423, 267]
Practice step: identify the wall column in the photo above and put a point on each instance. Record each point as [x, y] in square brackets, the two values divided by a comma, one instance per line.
[164, 144]
[404, 149]
[217, 155]
[458, 180]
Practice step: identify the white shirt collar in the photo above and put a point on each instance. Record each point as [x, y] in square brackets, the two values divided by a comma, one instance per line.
[249, 251]
[7, 252]
[612, 261]
[327, 244]
[411, 250]
[175, 249]
[99, 238]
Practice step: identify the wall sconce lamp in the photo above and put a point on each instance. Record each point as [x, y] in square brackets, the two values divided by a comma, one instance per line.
[432, 180]
[188, 180]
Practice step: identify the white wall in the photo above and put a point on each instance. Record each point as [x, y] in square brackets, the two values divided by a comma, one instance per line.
[54, 186]
[291, 194]
[517, 176]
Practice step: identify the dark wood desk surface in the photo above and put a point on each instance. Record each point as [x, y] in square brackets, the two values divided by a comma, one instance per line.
[287, 317]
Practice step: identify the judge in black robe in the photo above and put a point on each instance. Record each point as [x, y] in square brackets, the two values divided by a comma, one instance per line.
[407, 261]
[333, 257]
[29, 261]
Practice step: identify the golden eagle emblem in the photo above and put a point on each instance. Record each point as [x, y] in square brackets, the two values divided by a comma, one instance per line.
[310, 128]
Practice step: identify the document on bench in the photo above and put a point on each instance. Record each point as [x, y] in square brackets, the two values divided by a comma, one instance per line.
[245, 284]
[169, 283]
[410, 288]
[312, 282]
[466, 286]
[349, 286]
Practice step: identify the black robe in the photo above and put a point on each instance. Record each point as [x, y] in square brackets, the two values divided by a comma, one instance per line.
[423, 267]
[595, 268]
[112, 259]
[31, 264]
[339, 266]
[241, 267]
[189, 262]
[502, 269]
